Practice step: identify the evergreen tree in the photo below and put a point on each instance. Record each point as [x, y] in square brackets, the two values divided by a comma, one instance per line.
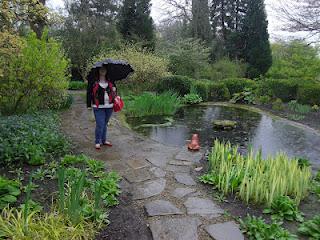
[200, 20]
[257, 51]
[135, 22]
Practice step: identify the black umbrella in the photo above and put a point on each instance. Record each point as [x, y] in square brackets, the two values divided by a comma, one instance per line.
[117, 69]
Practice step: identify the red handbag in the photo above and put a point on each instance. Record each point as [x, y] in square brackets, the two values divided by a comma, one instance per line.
[118, 104]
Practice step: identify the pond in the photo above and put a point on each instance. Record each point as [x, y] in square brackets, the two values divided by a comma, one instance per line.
[256, 130]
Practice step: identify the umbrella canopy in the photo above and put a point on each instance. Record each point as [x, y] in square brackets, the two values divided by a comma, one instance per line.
[117, 69]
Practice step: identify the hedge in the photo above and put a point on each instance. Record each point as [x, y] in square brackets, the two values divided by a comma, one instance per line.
[236, 85]
[284, 89]
[309, 94]
[211, 91]
[177, 83]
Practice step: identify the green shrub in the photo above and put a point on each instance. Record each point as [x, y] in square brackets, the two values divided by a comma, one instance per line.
[284, 89]
[218, 92]
[255, 179]
[202, 88]
[236, 85]
[149, 68]
[176, 83]
[256, 228]
[149, 104]
[31, 139]
[296, 107]
[264, 100]
[315, 108]
[77, 85]
[309, 94]
[277, 105]
[311, 228]
[284, 208]
[191, 98]
[246, 96]
[224, 68]
[36, 78]
[9, 190]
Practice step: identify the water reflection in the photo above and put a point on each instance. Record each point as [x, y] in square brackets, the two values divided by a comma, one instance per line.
[253, 129]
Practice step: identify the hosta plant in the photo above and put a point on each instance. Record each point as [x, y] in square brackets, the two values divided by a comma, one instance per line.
[284, 208]
[311, 228]
[9, 191]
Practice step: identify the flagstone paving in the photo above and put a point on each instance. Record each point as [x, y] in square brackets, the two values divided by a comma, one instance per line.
[160, 180]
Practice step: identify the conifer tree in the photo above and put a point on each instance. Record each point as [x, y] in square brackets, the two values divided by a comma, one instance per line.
[257, 51]
[200, 20]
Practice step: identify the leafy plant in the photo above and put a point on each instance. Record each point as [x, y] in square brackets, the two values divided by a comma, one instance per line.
[296, 117]
[296, 107]
[303, 162]
[9, 191]
[311, 228]
[277, 105]
[191, 98]
[283, 207]
[73, 159]
[77, 85]
[110, 188]
[247, 96]
[95, 167]
[256, 179]
[256, 229]
[264, 100]
[315, 108]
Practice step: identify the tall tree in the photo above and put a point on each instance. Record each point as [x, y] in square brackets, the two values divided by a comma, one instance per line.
[200, 24]
[135, 22]
[257, 51]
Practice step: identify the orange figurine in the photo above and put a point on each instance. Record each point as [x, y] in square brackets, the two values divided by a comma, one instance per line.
[194, 144]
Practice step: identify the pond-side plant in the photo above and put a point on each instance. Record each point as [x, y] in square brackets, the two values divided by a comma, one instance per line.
[9, 191]
[277, 105]
[311, 228]
[255, 179]
[256, 229]
[246, 96]
[315, 108]
[191, 98]
[264, 100]
[303, 162]
[284, 208]
[296, 107]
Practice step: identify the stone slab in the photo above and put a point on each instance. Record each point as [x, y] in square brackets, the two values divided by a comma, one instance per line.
[186, 155]
[161, 208]
[180, 163]
[138, 175]
[149, 189]
[178, 169]
[138, 163]
[159, 158]
[175, 229]
[225, 231]
[182, 192]
[185, 179]
[157, 172]
[203, 207]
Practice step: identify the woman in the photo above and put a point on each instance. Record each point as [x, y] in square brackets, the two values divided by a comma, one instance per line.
[100, 96]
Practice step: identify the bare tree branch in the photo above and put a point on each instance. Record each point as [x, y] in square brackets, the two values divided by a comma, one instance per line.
[177, 10]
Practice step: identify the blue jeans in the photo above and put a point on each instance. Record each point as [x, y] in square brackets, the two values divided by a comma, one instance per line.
[102, 116]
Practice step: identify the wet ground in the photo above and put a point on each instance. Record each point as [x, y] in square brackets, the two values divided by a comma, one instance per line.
[257, 130]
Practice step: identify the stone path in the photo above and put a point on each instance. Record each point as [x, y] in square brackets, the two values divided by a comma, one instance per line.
[160, 178]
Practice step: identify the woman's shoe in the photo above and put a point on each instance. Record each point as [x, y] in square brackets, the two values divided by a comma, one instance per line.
[106, 143]
[98, 147]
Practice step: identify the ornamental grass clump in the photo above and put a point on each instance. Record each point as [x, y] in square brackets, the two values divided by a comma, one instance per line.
[255, 179]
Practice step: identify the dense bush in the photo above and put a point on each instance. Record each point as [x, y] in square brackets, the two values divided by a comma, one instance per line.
[149, 68]
[30, 139]
[211, 91]
[309, 94]
[77, 85]
[176, 83]
[284, 89]
[36, 78]
[237, 85]
[223, 69]
[202, 88]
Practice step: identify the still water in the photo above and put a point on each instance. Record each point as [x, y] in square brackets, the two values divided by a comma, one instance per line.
[253, 130]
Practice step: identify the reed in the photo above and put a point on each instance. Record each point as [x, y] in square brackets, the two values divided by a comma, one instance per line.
[256, 179]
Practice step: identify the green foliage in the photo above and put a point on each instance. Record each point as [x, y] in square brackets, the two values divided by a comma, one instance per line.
[256, 229]
[257, 51]
[189, 57]
[149, 104]
[294, 60]
[191, 98]
[176, 83]
[110, 188]
[95, 166]
[309, 94]
[284, 208]
[247, 96]
[149, 68]
[277, 105]
[264, 100]
[9, 191]
[31, 139]
[73, 159]
[296, 107]
[36, 78]
[303, 162]
[311, 228]
[284, 89]
[224, 69]
[211, 91]
[77, 85]
[256, 179]
[237, 85]
[315, 108]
